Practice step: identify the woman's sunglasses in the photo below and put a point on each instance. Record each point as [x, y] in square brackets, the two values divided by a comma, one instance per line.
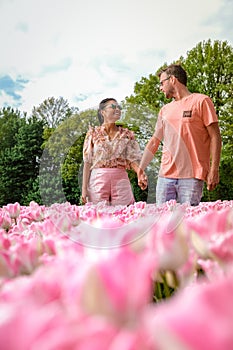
[114, 106]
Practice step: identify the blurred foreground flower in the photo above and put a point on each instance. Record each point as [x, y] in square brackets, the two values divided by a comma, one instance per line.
[85, 277]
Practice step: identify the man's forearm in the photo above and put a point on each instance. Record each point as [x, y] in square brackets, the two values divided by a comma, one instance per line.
[215, 147]
[149, 152]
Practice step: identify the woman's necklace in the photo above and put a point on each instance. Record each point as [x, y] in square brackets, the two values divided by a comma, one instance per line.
[111, 133]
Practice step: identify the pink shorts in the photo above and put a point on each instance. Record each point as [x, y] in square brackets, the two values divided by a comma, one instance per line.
[111, 185]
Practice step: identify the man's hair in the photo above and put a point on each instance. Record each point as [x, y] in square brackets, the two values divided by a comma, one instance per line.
[101, 106]
[177, 71]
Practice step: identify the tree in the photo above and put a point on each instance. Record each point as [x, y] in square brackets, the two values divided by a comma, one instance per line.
[53, 111]
[19, 161]
[10, 121]
[61, 163]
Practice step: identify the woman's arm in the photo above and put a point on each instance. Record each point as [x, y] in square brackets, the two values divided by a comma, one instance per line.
[86, 176]
[87, 160]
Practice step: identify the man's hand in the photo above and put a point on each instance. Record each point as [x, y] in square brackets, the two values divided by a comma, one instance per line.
[142, 179]
[212, 179]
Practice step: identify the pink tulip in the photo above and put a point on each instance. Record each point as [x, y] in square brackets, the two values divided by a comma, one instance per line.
[199, 318]
[212, 269]
[57, 293]
[168, 241]
[13, 210]
[211, 222]
[113, 287]
[23, 325]
[6, 265]
[222, 246]
[5, 220]
[5, 242]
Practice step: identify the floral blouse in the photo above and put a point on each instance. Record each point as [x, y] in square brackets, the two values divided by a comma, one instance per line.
[102, 152]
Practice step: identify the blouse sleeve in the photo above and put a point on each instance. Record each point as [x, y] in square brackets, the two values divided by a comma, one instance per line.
[134, 153]
[88, 146]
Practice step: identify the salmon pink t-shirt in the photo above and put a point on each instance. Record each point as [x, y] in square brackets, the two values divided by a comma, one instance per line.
[182, 127]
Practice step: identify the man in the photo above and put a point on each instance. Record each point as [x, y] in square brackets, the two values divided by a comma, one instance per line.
[188, 127]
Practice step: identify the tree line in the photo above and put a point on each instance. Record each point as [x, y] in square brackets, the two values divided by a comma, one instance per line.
[41, 154]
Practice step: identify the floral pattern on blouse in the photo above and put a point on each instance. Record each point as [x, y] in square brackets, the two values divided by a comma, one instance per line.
[102, 152]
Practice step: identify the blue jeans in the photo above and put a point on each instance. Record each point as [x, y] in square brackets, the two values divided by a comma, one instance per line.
[182, 190]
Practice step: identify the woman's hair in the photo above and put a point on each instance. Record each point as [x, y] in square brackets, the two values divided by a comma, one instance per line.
[177, 71]
[101, 106]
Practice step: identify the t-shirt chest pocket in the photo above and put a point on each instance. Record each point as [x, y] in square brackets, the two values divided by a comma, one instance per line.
[190, 116]
[187, 116]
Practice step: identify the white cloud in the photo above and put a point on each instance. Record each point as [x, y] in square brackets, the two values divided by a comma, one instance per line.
[74, 48]
[7, 100]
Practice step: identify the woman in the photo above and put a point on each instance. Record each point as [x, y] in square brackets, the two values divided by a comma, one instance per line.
[109, 150]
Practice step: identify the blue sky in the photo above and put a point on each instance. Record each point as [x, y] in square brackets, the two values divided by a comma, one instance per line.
[87, 50]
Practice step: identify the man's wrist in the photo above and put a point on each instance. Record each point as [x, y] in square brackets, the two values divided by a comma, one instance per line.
[140, 170]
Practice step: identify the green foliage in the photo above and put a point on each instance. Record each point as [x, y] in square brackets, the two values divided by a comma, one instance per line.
[61, 163]
[32, 192]
[224, 191]
[140, 119]
[72, 170]
[10, 121]
[162, 291]
[210, 68]
[19, 161]
[147, 93]
[139, 195]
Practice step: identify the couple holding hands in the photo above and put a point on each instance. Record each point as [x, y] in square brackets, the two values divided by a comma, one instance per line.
[187, 127]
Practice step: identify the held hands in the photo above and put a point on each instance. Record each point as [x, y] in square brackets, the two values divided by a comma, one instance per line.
[142, 179]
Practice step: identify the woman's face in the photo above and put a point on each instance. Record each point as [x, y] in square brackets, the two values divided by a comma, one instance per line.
[111, 112]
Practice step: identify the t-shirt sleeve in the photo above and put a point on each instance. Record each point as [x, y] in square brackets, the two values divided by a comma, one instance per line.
[208, 112]
[158, 133]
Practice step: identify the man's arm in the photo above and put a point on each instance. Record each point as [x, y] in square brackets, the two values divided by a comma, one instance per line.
[148, 155]
[215, 153]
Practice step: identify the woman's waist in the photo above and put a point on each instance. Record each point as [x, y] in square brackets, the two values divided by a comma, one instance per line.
[109, 167]
[112, 164]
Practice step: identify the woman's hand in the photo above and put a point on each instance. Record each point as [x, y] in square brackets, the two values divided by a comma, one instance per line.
[84, 197]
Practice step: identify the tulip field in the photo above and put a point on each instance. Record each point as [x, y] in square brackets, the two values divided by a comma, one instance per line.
[95, 277]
